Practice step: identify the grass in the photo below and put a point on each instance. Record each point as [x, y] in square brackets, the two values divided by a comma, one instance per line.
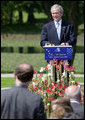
[9, 82]
[15, 40]
[79, 63]
[9, 61]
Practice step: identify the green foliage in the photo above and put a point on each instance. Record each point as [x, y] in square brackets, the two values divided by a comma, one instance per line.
[9, 7]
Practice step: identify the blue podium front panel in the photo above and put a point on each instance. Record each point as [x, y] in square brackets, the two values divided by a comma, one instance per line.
[58, 52]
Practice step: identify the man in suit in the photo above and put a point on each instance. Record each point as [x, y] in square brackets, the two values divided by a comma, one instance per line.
[74, 93]
[58, 31]
[18, 102]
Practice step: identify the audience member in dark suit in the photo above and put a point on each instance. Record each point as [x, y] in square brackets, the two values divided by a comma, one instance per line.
[18, 102]
[74, 93]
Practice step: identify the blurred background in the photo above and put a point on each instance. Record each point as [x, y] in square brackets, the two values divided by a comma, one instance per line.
[21, 25]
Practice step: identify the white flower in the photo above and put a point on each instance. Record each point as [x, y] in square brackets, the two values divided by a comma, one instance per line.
[79, 86]
[72, 73]
[58, 80]
[49, 74]
[49, 67]
[34, 84]
[42, 69]
[63, 74]
[43, 79]
[34, 76]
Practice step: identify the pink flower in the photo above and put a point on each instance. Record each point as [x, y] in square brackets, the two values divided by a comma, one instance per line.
[35, 72]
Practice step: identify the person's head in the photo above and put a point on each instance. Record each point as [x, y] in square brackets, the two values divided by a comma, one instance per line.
[62, 101]
[57, 12]
[60, 107]
[24, 72]
[73, 92]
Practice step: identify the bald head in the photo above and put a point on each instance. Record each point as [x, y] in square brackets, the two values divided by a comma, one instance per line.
[24, 72]
[73, 91]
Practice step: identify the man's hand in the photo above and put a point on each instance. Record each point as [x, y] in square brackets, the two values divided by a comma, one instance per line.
[67, 44]
[64, 44]
[49, 45]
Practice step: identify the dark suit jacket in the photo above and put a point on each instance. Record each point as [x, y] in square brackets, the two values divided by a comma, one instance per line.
[49, 34]
[20, 103]
[78, 109]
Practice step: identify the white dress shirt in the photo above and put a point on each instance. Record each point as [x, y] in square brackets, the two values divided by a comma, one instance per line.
[58, 27]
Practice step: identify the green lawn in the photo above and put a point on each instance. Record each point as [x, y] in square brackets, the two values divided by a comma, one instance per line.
[9, 82]
[14, 40]
[10, 60]
[79, 63]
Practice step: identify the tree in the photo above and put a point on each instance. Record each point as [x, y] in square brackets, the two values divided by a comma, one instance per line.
[30, 7]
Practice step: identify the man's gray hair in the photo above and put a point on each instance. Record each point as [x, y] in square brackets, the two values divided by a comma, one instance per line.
[57, 6]
[76, 94]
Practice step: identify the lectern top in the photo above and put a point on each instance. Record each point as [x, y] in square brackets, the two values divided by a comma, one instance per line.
[58, 46]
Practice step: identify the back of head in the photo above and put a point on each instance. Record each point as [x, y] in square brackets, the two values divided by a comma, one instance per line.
[62, 101]
[73, 92]
[60, 107]
[24, 72]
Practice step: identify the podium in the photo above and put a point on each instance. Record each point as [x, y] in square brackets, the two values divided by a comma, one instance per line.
[59, 53]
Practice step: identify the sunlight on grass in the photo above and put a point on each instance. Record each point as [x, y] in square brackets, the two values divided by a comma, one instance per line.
[9, 61]
[79, 63]
[9, 82]
[40, 15]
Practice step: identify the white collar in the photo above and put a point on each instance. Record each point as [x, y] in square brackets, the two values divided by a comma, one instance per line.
[74, 101]
[60, 22]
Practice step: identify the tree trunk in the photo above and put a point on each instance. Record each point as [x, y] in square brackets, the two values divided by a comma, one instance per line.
[11, 17]
[31, 18]
[47, 6]
[20, 17]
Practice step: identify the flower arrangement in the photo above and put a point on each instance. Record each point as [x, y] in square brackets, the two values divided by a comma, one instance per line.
[47, 87]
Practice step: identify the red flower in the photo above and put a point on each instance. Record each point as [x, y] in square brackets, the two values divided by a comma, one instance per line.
[35, 72]
[82, 90]
[46, 68]
[40, 75]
